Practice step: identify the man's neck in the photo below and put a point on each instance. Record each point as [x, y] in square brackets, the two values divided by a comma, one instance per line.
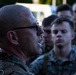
[62, 52]
[15, 53]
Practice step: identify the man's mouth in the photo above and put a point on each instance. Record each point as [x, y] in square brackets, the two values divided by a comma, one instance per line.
[40, 45]
[59, 41]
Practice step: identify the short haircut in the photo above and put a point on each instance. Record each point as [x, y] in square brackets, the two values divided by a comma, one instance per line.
[64, 7]
[47, 21]
[59, 20]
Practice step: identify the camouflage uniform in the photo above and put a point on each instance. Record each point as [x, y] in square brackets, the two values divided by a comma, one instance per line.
[11, 65]
[74, 47]
[46, 49]
[56, 66]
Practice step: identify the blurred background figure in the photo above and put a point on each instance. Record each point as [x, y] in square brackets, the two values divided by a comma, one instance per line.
[74, 14]
[46, 23]
[65, 10]
[74, 21]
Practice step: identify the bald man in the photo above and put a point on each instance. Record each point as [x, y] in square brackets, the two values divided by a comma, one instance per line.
[19, 39]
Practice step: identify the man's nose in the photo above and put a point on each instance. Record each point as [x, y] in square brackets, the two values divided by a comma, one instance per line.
[40, 31]
[44, 34]
[59, 34]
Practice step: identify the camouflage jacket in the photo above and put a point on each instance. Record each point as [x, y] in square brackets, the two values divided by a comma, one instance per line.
[55, 66]
[46, 49]
[11, 65]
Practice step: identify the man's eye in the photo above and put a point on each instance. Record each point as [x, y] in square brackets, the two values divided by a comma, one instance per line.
[55, 31]
[63, 31]
[35, 28]
[47, 31]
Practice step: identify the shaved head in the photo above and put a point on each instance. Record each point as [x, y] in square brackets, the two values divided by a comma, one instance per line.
[12, 16]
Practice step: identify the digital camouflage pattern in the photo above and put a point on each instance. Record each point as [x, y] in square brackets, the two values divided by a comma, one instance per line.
[11, 65]
[56, 66]
[46, 49]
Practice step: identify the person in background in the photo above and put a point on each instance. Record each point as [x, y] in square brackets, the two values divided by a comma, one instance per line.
[19, 39]
[65, 10]
[74, 21]
[47, 42]
[74, 14]
[62, 58]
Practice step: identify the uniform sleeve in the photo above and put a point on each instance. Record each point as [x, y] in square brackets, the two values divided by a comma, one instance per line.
[13, 69]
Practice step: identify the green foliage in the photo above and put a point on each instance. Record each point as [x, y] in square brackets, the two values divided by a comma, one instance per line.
[45, 1]
[42, 1]
[58, 2]
[48, 1]
[71, 2]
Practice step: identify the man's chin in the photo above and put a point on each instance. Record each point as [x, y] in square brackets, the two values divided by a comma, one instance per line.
[60, 46]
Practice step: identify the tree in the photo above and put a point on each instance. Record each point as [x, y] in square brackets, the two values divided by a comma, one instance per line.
[71, 2]
[45, 1]
[58, 2]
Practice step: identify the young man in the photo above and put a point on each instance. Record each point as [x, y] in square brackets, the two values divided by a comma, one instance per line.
[62, 58]
[47, 42]
[19, 39]
[65, 10]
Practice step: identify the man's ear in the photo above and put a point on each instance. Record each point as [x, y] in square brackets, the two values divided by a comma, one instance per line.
[73, 35]
[12, 37]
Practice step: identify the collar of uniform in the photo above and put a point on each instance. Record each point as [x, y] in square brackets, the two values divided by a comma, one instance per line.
[4, 56]
[70, 58]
